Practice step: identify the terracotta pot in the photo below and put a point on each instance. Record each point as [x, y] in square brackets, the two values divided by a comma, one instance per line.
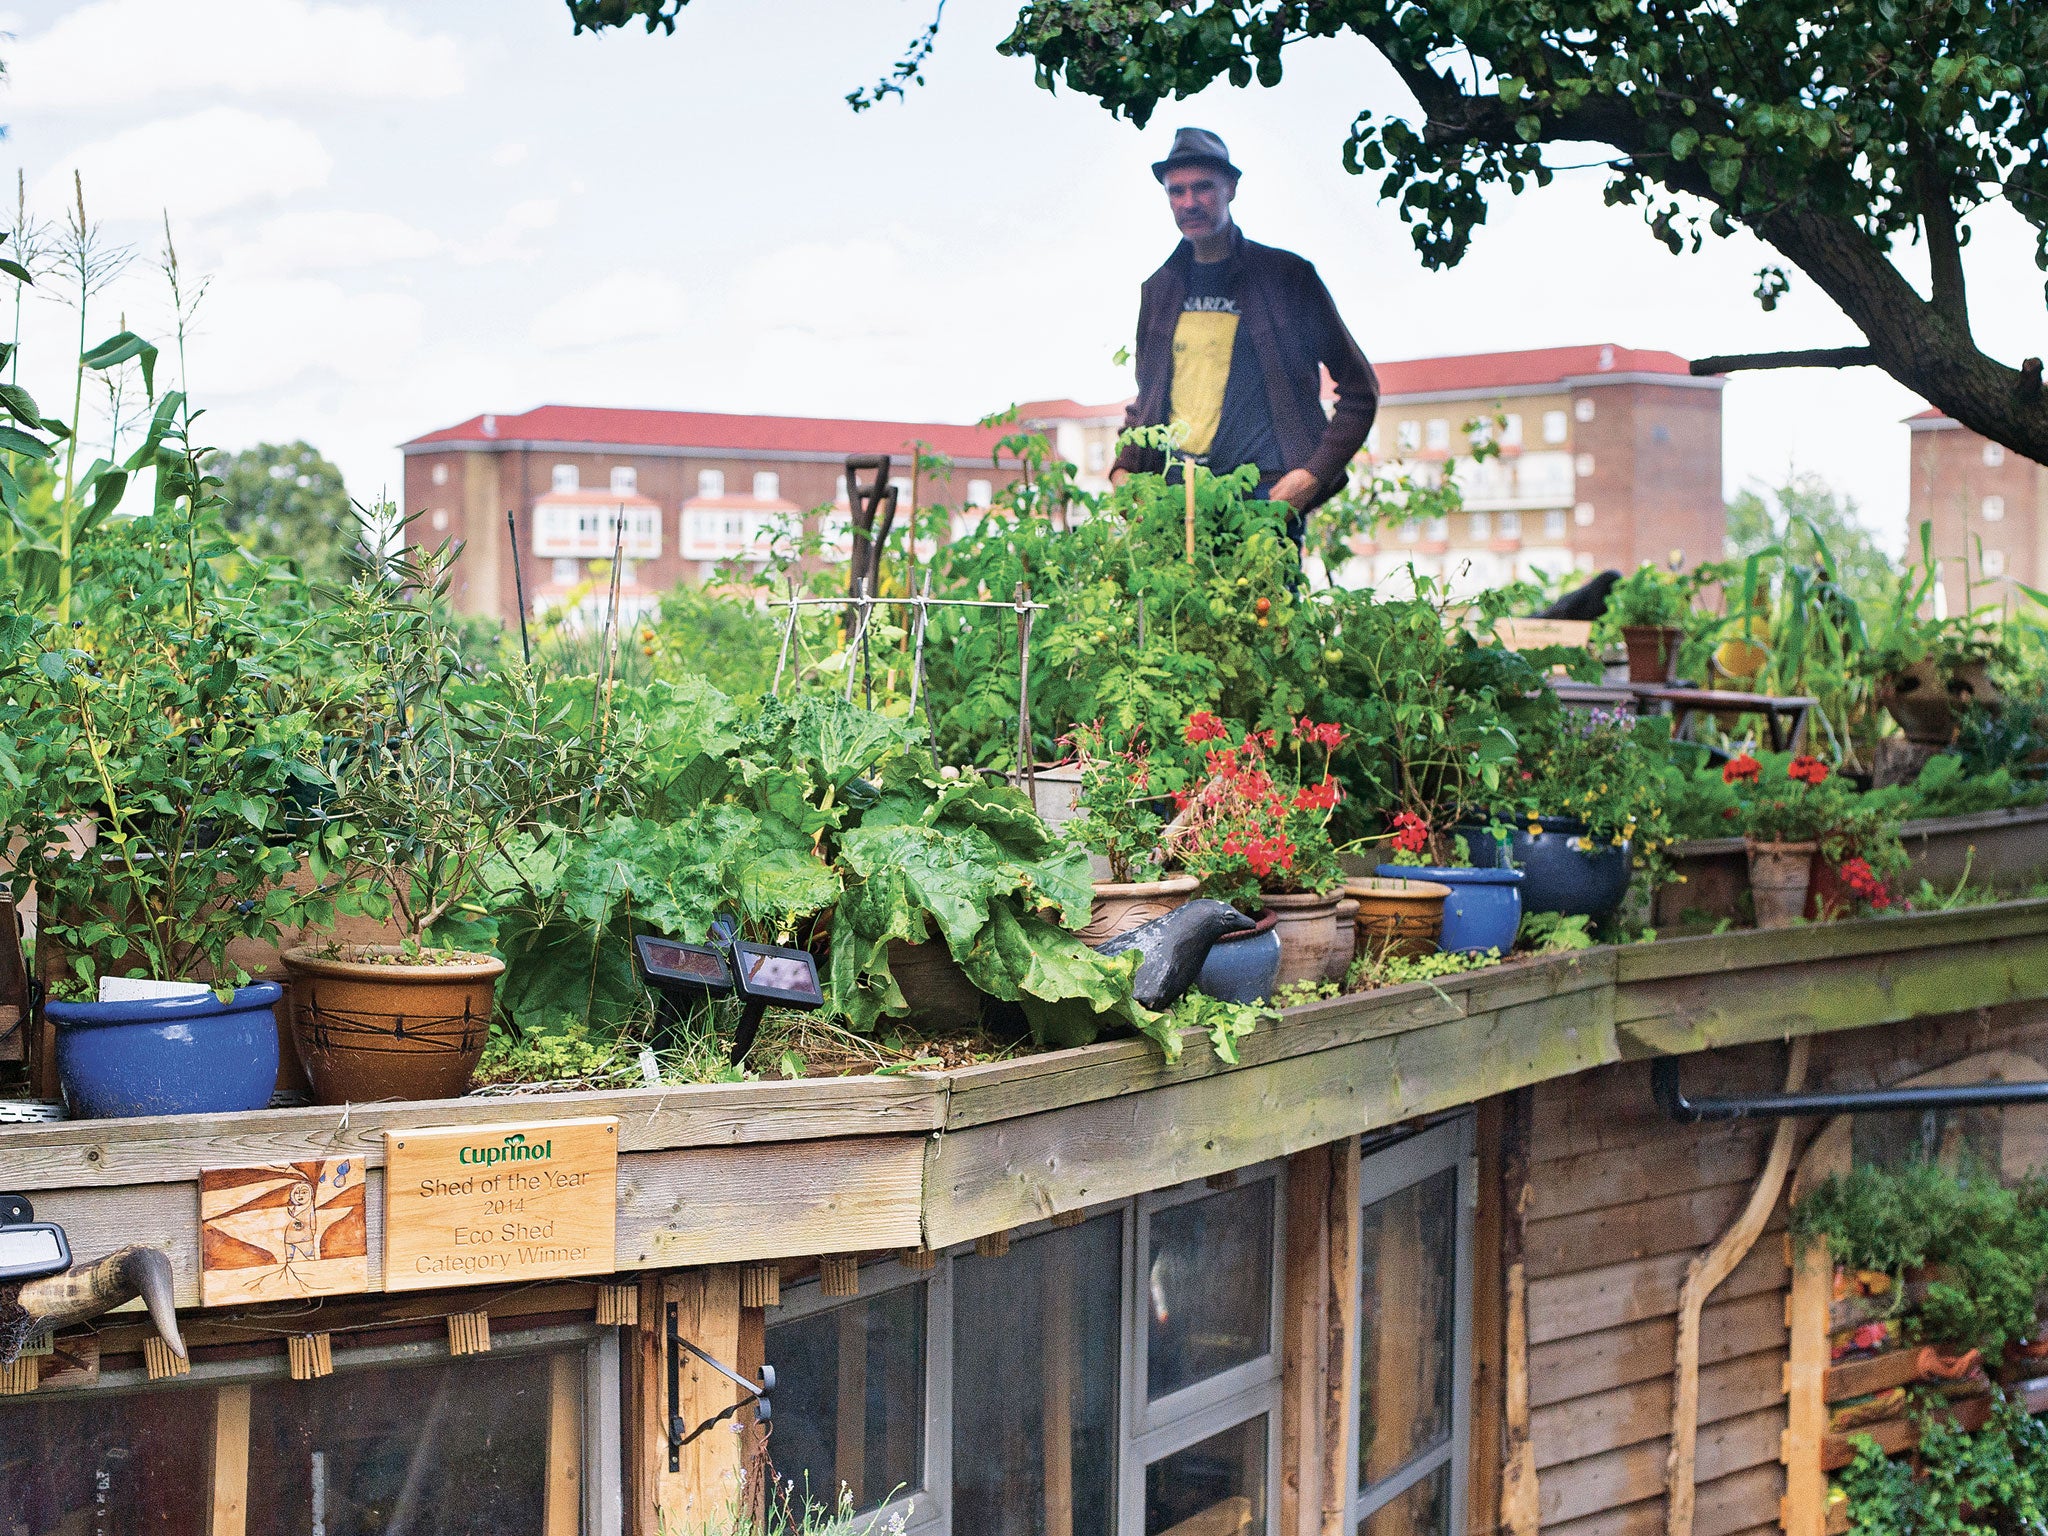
[368, 1030]
[1652, 651]
[1344, 949]
[1397, 917]
[1779, 874]
[1120, 908]
[1925, 702]
[938, 991]
[1307, 928]
[1827, 894]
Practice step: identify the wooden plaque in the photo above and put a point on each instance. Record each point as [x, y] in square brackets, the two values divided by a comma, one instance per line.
[479, 1204]
[282, 1230]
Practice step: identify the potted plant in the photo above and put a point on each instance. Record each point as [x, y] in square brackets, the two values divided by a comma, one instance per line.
[1589, 798]
[1928, 668]
[1783, 822]
[1483, 910]
[1859, 857]
[1397, 916]
[1256, 833]
[1120, 827]
[145, 762]
[1649, 609]
[422, 795]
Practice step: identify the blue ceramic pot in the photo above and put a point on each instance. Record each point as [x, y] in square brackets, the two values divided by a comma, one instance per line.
[1484, 909]
[1243, 967]
[1561, 877]
[168, 1055]
[1564, 878]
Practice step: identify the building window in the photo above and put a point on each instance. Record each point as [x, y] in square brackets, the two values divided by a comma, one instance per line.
[1439, 529]
[1582, 466]
[440, 474]
[568, 572]
[851, 1401]
[1511, 430]
[440, 519]
[1994, 509]
[767, 485]
[625, 480]
[1582, 408]
[710, 482]
[1098, 454]
[1414, 1347]
[1553, 523]
[1511, 525]
[1408, 436]
[1482, 527]
[1582, 514]
[1994, 562]
[1411, 531]
[1555, 428]
[1439, 433]
[980, 493]
[565, 477]
[1372, 439]
[1994, 455]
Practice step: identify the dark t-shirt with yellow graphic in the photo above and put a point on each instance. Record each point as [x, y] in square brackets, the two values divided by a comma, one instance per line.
[1217, 390]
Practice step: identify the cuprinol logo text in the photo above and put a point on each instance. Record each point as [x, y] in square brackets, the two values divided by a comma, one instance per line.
[513, 1149]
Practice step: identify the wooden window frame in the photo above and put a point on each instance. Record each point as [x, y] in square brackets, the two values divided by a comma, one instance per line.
[1387, 1171]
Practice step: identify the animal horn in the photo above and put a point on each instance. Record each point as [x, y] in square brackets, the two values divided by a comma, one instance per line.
[123, 1275]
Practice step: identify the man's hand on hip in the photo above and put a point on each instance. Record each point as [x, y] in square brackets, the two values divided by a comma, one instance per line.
[1296, 487]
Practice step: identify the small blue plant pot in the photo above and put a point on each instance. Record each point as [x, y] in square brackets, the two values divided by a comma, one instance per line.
[168, 1055]
[1483, 911]
[1243, 967]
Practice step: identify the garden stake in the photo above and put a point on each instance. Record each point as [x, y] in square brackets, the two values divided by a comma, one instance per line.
[788, 630]
[917, 693]
[518, 587]
[1025, 768]
[1187, 478]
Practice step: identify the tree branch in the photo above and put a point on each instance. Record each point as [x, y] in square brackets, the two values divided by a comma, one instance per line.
[1944, 248]
[1812, 357]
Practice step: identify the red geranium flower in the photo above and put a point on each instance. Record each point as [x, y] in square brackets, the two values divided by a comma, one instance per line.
[1411, 832]
[1203, 726]
[1807, 768]
[1316, 797]
[1741, 770]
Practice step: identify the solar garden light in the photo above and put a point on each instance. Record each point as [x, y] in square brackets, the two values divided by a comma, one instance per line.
[683, 974]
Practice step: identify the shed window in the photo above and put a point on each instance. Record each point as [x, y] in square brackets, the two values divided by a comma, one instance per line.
[850, 1407]
[1414, 1321]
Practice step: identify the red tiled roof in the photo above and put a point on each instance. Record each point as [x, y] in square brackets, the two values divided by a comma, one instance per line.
[1069, 410]
[620, 428]
[1508, 370]
[1932, 413]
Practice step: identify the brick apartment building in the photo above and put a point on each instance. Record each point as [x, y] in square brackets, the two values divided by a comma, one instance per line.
[692, 490]
[1610, 456]
[1988, 508]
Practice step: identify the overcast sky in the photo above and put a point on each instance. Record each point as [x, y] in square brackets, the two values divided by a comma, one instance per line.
[414, 212]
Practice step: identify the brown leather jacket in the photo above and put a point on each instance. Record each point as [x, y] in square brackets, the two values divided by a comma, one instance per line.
[1294, 327]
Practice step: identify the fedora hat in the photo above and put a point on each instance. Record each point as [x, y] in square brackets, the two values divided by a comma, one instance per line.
[1195, 146]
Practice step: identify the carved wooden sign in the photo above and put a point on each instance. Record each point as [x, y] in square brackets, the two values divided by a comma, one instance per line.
[470, 1204]
[282, 1230]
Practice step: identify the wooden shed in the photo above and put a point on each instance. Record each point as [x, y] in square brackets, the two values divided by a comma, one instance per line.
[1413, 1268]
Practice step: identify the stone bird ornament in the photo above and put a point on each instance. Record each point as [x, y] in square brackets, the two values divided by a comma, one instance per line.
[1174, 947]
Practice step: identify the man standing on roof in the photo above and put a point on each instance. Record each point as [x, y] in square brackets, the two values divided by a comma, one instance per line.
[1232, 340]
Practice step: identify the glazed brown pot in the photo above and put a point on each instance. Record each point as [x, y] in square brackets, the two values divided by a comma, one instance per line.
[1120, 908]
[1307, 927]
[1397, 917]
[1779, 874]
[938, 991]
[370, 1030]
[1652, 651]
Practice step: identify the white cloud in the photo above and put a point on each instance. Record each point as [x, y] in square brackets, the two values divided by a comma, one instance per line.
[329, 239]
[626, 306]
[263, 335]
[508, 154]
[192, 166]
[510, 238]
[131, 51]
